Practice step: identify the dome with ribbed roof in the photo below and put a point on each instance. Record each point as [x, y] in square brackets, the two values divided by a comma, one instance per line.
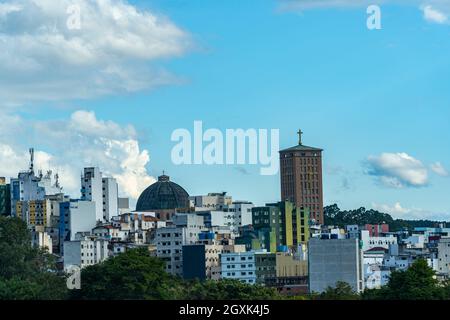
[163, 195]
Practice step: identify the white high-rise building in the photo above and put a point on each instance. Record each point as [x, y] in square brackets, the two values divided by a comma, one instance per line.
[110, 198]
[242, 212]
[92, 190]
[103, 191]
[82, 218]
[85, 251]
[75, 217]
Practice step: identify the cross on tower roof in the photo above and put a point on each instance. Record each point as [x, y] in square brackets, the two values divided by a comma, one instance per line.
[300, 133]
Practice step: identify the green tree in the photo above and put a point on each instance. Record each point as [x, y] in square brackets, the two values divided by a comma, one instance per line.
[342, 291]
[227, 289]
[337, 217]
[26, 273]
[418, 282]
[133, 275]
[138, 276]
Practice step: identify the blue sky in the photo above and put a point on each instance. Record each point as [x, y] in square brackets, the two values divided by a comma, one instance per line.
[356, 93]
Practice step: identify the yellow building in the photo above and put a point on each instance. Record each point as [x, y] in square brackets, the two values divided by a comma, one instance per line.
[34, 212]
[281, 226]
[287, 266]
[19, 210]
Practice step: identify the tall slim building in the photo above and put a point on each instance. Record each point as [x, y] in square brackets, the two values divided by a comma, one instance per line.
[301, 178]
[110, 198]
[92, 190]
[103, 191]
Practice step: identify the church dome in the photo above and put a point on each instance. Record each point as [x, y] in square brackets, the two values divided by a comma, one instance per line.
[163, 195]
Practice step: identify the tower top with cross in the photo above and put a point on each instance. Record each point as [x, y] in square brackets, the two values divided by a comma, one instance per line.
[300, 133]
[300, 146]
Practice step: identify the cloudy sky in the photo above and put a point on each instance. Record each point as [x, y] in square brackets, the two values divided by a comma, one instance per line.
[111, 92]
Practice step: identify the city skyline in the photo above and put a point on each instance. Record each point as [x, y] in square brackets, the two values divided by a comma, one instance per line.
[375, 101]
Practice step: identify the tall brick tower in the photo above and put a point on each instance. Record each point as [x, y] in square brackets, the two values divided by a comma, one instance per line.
[301, 178]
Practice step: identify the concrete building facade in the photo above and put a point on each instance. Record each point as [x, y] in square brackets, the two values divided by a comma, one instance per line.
[169, 246]
[85, 251]
[75, 217]
[444, 256]
[335, 260]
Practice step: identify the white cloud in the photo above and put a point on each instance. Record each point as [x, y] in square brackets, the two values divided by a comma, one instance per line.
[7, 8]
[436, 11]
[72, 144]
[115, 51]
[398, 170]
[86, 123]
[12, 161]
[434, 15]
[15, 159]
[397, 211]
[439, 169]
[133, 177]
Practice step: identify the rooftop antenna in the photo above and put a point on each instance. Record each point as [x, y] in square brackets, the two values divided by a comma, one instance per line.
[57, 181]
[31, 160]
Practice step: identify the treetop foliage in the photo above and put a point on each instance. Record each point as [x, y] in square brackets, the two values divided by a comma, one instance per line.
[26, 273]
[333, 215]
